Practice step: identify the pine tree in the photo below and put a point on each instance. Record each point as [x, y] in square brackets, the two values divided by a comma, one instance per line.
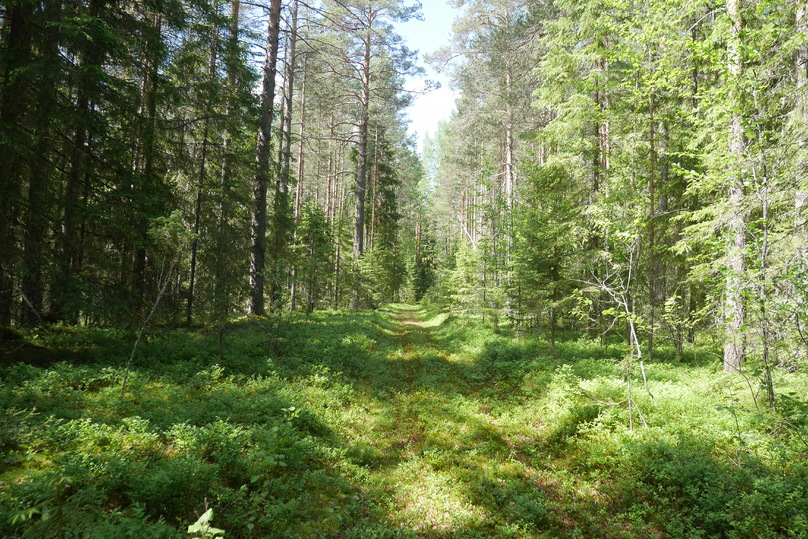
[263, 166]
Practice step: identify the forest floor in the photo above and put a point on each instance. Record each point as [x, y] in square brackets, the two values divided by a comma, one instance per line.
[447, 455]
[401, 422]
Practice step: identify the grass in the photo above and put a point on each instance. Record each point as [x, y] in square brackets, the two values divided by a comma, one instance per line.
[399, 423]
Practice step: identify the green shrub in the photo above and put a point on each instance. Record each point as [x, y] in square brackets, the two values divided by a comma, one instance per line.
[512, 499]
[170, 489]
[567, 425]
[690, 491]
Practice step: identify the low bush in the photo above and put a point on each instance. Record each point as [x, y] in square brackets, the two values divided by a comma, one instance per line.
[399, 423]
[690, 491]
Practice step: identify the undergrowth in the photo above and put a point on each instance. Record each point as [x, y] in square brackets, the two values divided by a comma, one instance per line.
[396, 423]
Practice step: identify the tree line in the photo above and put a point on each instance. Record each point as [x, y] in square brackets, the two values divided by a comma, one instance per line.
[212, 156]
[629, 167]
[618, 167]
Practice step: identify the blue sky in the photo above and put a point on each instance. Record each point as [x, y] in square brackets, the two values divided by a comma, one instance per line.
[427, 36]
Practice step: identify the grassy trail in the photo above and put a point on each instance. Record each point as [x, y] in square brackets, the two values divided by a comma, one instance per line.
[448, 464]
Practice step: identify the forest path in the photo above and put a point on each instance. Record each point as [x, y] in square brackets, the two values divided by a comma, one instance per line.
[444, 454]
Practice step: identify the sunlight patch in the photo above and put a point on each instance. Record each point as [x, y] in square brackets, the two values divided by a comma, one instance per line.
[430, 499]
[435, 321]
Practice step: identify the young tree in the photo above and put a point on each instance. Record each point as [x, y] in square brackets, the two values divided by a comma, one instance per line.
[313, 250]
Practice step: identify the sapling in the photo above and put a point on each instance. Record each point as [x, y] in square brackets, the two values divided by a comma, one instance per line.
[618, 286]
[172, 237]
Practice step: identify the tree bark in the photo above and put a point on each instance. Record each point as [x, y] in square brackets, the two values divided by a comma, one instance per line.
[291, 70]
[40, 171]
[262, 150]
[651, 228]
[510, 174]
[282, 218]
[221, 284]
[600, 167]
[67, 242]
[801, 110]
[361, 167]
[735, 306]
[17, 45]
[362, 149]
[145, 157]
[300, 150]
[300, 176]
[374, 186]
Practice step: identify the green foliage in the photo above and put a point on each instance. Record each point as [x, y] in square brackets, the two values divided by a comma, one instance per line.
[424, 266]
[546, 234]
[381, 276]
[472, 284]
[313, 253]
[696, 493]
[202, 528]
[391, 423]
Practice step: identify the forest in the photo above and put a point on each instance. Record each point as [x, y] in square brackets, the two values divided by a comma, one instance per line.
[237, 299]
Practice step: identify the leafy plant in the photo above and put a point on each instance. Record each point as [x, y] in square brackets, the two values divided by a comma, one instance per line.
[203, 529]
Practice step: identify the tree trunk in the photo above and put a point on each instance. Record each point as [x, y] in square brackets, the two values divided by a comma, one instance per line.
[362, 154]
[200, 185]
[801, 110]
[145, 158]
[262, 150]
[299, 185]
[67, 239]
[361, 169]
[291, 70]
[67, 242]
[763, 302]
[40, 171]
[510, 174]
[17, 46]
[282, 218]
[555, 297]
[374, 186]
[600, 167]
[651, 229]
[735, 313]
[221, 282]
[300, 150]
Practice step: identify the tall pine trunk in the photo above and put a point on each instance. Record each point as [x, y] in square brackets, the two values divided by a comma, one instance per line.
[362, 155]
[801, 113]
[652, 269]
[299, 185]
[63, 298]
[362, 149]
[262, 151]
[145, 158]
[40, 170]
[281, 215]
[600, 167]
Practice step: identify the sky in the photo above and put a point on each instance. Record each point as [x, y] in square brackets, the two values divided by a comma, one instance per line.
[427, 36]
